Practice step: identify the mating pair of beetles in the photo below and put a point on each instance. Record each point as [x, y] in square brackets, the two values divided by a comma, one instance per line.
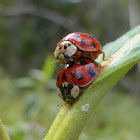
[77, 53]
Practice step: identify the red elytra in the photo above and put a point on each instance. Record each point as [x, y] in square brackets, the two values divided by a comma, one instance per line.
[84, 42]
[80, 73]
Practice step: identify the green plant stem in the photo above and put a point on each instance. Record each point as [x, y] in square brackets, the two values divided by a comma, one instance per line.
[124, 53]
[3, 134]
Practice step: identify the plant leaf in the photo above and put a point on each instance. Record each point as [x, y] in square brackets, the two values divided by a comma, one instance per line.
[124, 53]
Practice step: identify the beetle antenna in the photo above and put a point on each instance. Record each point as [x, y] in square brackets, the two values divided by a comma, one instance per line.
[54, 62]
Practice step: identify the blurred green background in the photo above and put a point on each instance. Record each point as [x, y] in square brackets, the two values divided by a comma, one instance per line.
[29, 32]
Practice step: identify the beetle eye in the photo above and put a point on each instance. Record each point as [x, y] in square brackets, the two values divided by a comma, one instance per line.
[69, 44]
[65, 47]
[60, 48]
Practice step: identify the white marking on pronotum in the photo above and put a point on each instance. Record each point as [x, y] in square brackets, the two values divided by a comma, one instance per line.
[85, 107]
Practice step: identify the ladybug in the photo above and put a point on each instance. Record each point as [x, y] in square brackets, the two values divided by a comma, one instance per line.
[75, 45]
[74, 76]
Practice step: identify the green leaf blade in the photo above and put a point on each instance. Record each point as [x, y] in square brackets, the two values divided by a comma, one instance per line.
[125, 53]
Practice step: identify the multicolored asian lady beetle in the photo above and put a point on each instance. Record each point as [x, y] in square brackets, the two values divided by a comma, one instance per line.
[75, 45]
[74, 76]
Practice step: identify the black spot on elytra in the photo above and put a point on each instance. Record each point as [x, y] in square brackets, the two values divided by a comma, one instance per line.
[64, 77]
[91, 71]
[90, 36]
[58, 78]
[92, 44]
[80, 76]
[73, 74]
[77, 37]
[83, 63]
[83, 41]
[71, 64]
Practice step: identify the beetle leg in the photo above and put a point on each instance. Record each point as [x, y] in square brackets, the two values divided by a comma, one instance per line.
[104, 57]
[64, 104]
[92, 57]
[103, 66]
